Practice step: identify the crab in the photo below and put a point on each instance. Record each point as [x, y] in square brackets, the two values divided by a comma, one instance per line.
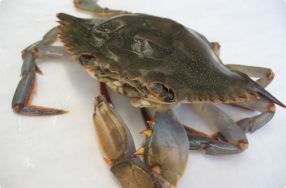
[157, 63]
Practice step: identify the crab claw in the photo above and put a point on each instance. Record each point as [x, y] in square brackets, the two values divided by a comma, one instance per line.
[166, 150]
[133, 173]
[118, 147]
[114, 137]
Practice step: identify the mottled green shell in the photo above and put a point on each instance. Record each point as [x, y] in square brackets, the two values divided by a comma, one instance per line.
[157, 50]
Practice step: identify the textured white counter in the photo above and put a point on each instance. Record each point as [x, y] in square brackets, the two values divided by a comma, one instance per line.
[62, 151]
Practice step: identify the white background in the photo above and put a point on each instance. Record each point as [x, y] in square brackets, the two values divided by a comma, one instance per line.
[62, 151]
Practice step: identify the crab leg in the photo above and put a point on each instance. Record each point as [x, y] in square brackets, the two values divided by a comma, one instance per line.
[21, 100]
[92, 6]
[213, 145]
[228, 130]
[263, 105]
[265, 75]
[251, 124]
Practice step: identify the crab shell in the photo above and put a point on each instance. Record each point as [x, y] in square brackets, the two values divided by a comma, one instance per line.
[155, 60]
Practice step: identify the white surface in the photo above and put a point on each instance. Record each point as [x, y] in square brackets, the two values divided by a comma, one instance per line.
[62, 151]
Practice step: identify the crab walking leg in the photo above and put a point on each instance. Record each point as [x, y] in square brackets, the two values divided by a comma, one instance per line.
[265, 75]
[197, 140]
[212, 145]
[227, 129]
[93, 7]
[21, 100]
[266, 107]
[251, 124]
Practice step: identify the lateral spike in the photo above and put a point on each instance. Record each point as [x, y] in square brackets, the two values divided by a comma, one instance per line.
[147, 132]
[139, 152]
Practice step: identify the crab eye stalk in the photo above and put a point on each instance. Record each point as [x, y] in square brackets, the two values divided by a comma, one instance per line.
[86, 59]
[164, 92]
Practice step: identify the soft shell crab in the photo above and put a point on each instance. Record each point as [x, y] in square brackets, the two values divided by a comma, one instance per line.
[156, 62]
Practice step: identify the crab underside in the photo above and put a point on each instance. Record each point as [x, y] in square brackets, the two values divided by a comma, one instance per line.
[156, 62]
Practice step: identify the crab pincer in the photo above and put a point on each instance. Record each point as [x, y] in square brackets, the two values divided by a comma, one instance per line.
[118, 147]
[165, 151]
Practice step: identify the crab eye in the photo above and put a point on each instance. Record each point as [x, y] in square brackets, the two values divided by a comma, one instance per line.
[86, 59]
[170, 96]
[167, 94]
